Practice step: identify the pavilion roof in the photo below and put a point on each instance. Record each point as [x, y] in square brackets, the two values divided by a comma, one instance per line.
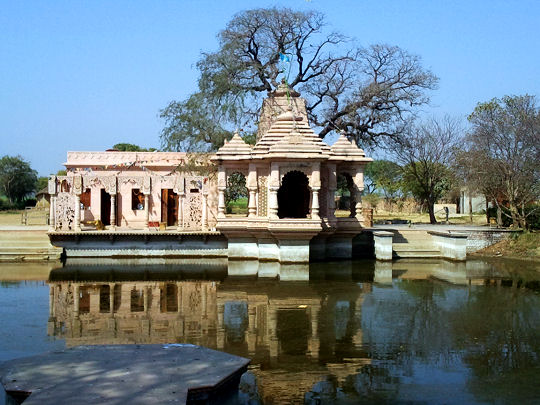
[290, 136]
[235, 148]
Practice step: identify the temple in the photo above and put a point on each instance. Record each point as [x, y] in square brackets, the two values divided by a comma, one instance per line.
[171, 204]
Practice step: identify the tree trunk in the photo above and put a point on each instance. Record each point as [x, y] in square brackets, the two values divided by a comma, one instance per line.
[431, 209]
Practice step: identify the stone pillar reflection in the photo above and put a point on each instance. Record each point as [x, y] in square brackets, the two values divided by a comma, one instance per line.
[220, 327]
[113, 211]
[111, 298]
[51, 301]
[76, 300]
[77, 219]
[146, 211]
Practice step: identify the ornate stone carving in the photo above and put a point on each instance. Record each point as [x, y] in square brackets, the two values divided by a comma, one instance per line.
[147, 185]
[178, 185]
[65, 211]
[194, 217]
[263, 196]
[110, 184]
[77, 184]
[52, 185]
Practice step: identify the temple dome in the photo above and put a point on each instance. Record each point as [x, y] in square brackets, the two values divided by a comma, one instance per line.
[235, 148]
[290, 136]
[345, 147]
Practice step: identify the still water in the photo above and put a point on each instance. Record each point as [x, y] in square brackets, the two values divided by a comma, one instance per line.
[343, 333]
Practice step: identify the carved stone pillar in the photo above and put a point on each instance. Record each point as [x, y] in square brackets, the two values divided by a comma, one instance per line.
[315, 203]
[274, 187]
[359, 183]
[52, 193]
[77, 190]
[204, 219]
[315, 188]
[52, 214]
[77, 218]
[331, 195]
[113, 210]
[180, 209]
[252, 204]
[221, 202]
[146, 211]
[252, 187]
[222, 187]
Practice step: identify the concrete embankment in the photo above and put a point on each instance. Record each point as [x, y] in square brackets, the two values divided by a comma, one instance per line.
[27, 243]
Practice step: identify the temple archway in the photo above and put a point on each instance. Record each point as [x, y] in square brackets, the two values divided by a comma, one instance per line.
[293, 196]
[345, 195]
[236, 194]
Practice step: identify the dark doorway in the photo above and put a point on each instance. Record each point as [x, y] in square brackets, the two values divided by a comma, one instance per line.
[105, 207]
[293, 196]
[293, 331]
[169, 207]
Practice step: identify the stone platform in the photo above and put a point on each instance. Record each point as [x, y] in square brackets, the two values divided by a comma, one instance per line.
[121, 374]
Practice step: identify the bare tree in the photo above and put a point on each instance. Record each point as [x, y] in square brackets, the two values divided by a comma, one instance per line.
[369, 93]
[426, 153]
[502, 154]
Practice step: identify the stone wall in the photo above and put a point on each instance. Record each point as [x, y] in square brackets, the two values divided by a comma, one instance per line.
[478, 240]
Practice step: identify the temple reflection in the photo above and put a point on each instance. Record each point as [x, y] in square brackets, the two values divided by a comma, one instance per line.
[300, 335]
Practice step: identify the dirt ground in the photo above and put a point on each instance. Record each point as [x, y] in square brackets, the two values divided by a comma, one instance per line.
[10, 217]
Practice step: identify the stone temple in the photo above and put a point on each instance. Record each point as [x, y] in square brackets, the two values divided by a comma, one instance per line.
[172, 204]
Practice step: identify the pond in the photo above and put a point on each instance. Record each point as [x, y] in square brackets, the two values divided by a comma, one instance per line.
[347, 332]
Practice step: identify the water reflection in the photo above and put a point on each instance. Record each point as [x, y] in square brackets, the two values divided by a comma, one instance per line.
[373, 332]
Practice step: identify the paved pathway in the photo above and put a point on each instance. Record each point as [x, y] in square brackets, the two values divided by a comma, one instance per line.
[122, 374]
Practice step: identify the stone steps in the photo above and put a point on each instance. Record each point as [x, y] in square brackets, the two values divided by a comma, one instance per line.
[27, 245]
[414, 253]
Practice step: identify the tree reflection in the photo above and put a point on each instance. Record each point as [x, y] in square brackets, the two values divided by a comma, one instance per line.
[498, 329]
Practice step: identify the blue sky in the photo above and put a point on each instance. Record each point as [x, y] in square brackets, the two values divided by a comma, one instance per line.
[84, 75]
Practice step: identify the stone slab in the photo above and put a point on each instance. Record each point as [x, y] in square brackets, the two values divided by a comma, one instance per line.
[121, 374]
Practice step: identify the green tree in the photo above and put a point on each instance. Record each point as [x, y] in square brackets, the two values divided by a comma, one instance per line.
[17, 178]
[426, 154]
[502, 154]
[129, 147]
[384, 176]
[41, 183]
[369, 93]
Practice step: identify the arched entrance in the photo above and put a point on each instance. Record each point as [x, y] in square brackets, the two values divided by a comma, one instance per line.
[293, 196]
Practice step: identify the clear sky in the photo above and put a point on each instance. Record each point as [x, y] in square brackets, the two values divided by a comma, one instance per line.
[85, 75]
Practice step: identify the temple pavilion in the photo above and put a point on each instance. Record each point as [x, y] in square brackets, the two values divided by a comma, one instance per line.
[114, 203]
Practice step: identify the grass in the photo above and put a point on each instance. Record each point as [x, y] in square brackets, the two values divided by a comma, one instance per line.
[238, 207]
[415, 218]
[521, 246]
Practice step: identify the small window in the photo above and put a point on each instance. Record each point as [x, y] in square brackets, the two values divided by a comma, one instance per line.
[137, 200]
[194, 190]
